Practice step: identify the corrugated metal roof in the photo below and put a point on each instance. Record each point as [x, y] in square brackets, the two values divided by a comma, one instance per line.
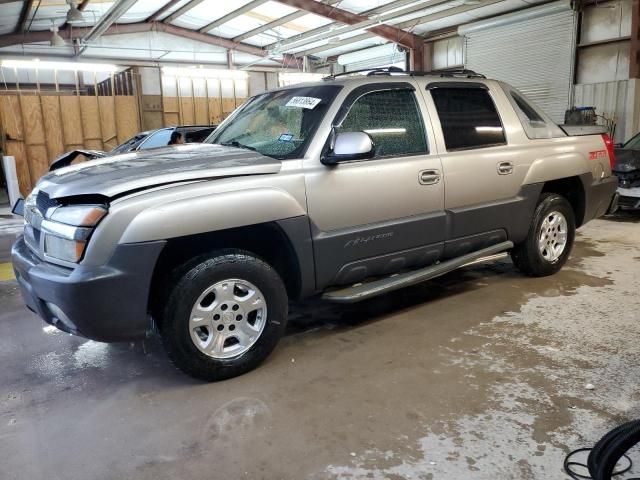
[258, 20]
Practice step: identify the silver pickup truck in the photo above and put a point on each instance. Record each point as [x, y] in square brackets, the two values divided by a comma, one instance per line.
[347, 188]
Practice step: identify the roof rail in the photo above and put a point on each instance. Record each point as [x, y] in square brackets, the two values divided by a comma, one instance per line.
[398, 71]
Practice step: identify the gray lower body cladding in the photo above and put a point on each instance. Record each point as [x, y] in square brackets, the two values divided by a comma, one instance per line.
[107, 303]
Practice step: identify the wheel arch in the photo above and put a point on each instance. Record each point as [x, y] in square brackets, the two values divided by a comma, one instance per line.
[571, 188]
[270, 241]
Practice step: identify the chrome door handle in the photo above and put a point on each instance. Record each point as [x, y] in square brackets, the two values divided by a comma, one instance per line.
[505, 168]
[429, 177]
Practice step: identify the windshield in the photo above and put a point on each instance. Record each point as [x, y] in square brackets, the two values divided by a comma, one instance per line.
[278, 124]
[633, 144]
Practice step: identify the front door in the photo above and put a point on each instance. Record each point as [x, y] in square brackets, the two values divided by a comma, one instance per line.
[386, 213]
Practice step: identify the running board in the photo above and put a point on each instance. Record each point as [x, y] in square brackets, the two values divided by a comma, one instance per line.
[362, 291]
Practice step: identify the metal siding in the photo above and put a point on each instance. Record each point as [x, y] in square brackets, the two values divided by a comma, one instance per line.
[536, 56]
[609, 99]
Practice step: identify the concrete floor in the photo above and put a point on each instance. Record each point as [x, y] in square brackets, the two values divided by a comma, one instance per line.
[478, 375]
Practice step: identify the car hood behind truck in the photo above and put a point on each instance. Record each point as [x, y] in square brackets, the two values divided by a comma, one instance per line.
[113, 176]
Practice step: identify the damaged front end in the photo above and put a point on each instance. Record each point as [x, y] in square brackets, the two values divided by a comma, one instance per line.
[627, 169]
[67, 158]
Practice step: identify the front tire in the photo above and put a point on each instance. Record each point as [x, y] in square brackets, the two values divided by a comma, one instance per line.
[224, 315]
[550, 238]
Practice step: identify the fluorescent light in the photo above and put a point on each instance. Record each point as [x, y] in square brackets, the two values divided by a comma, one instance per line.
[383, 131]
[204, 73]
[41, 65]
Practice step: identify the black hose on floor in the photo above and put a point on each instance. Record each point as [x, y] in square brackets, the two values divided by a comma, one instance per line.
[606, 454]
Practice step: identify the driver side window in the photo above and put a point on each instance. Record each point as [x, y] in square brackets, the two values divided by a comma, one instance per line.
[393, 121]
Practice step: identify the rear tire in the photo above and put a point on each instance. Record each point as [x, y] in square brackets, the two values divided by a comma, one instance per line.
[550, 238]
[224, 316]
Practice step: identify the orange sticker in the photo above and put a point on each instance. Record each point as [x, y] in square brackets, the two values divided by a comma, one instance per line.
[598, 154]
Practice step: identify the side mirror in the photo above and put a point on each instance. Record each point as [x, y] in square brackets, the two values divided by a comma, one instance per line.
[18, 207]
[350, 146]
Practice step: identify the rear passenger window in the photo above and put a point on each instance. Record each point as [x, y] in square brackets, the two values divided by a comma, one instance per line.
[468, 117]
[392, 120]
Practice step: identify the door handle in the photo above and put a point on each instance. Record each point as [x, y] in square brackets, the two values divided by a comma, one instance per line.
[505, 168]
[429, 177]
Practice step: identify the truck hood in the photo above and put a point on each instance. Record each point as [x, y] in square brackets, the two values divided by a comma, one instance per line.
[115, 175]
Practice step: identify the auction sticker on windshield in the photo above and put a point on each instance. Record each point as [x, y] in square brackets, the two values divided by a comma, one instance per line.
[303, 102]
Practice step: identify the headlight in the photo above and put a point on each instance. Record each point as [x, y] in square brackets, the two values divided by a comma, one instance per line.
[79, 215]
[67, 230]
[64, 248]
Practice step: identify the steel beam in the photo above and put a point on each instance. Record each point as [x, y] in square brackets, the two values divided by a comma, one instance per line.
[108, 19]
[276, 23]
[79, 32]
[406, 25]
[634, 52]
[356, 21]
[24, 17]
[161, 11]
[182, 10]
[231, 15]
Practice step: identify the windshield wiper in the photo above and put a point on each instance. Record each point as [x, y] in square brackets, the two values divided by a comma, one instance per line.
[237, 144]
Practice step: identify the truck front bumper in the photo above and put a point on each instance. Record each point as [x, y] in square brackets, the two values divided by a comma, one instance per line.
[108, 303]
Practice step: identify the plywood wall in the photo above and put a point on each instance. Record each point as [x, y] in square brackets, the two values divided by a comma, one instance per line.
[38, 128]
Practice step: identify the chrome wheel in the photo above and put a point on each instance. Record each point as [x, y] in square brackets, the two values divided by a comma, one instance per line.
[228, 318]
[553, 236]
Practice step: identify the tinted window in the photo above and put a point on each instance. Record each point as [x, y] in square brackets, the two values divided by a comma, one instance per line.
[526, 109]
[392, 119]
[468, 117]
[197, 136]
[159, 139]
[129, 145]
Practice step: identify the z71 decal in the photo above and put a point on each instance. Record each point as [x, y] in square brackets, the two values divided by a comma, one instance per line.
[598, 155]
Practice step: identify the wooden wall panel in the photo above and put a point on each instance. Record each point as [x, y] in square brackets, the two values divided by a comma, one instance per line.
[11, 117]
[186, 107]
[201, 107]
[52, 125]
[32, 120]
[127, 119]
[72, 121]
[39, 161]
[215, 111]
[108, 120]
[228, 106]
[91, 128]
[171, 119]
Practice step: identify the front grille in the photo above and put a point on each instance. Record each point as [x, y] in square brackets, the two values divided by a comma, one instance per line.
[43, 202]
[628, 179]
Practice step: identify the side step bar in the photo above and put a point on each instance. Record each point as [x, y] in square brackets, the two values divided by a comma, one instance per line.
[362, 291]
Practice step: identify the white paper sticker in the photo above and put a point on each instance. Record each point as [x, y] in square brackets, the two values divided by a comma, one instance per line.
[303, 102]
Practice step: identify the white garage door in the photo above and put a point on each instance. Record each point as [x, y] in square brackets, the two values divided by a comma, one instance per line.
[533, 50]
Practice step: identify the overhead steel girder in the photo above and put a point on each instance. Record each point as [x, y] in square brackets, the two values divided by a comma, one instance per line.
[403, 25]
[231, 15]
[276, 23]
[393, 34]
[79, 32]
[108, 19]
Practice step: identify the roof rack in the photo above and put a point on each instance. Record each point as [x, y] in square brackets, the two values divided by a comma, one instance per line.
[398, 71]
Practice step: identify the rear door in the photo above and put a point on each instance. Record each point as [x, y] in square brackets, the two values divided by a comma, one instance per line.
[383, 214]
[483, 175]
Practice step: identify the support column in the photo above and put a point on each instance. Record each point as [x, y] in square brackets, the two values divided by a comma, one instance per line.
[633, 89]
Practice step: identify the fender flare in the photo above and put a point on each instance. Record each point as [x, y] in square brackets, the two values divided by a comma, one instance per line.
[210, 213]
